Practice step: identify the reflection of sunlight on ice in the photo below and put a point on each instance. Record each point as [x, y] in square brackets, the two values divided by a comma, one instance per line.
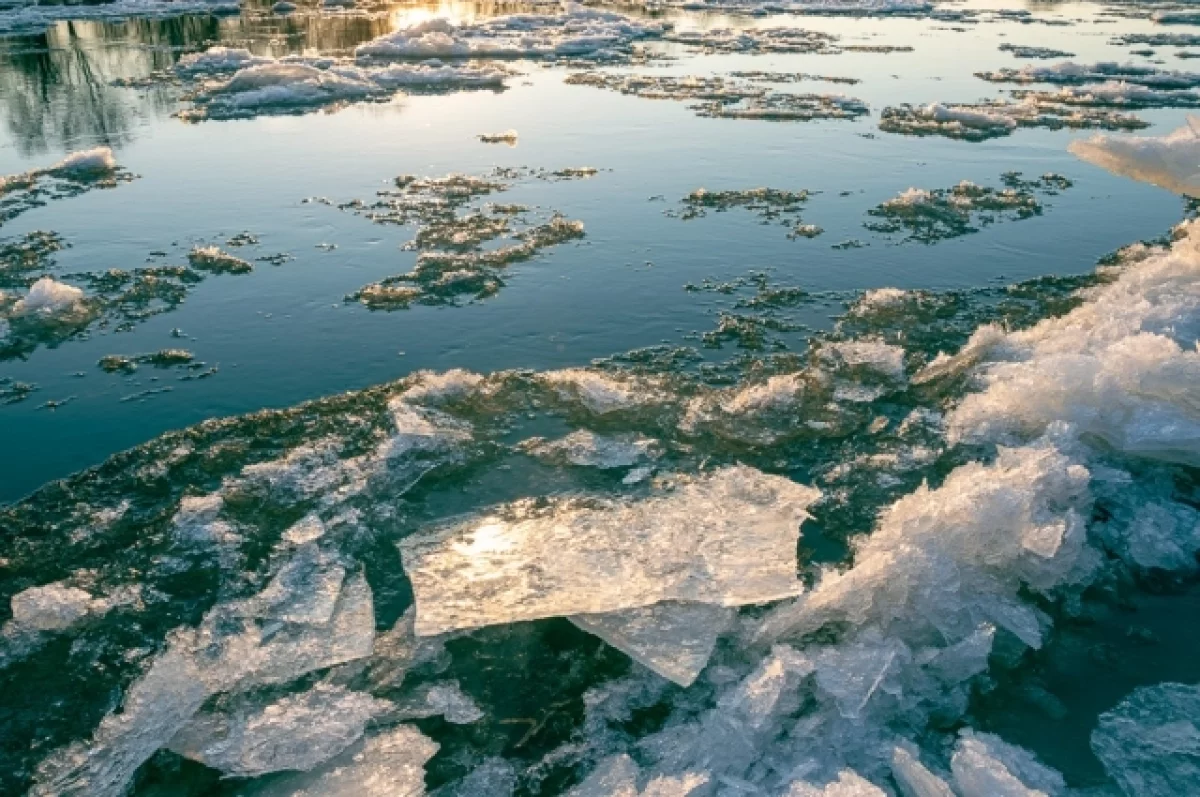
[488, 538]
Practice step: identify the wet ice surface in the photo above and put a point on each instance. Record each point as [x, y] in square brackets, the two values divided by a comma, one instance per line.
[718, 506]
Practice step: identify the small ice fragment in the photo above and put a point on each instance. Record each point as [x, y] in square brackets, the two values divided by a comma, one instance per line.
[727, 538]
[52, 607]
[1150, 742]
[48, 297]
[673, 639]
[446, 700]
[914, 779]
[507, 137]
[86, 163]
[985, 766]
[389, 764]
[618, 777]
[848, 784]
[587, 449]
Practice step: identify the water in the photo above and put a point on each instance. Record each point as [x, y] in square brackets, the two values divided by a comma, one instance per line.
[688, 306]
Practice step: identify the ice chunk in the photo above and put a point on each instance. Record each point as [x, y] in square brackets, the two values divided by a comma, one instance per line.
[86, 164]
[618, 777]
[602, 393]
[295, 732]
[673, 639]
[52, 607]
[848, 784]
[1171, 161]
[305, 590]
[156, 706]
[591, 450]
[389, 764]
[726, 538]
[851, 673]
[227, 653]
[445, 700]
[985, 766]
[757, 698]
[218, 59]
[1150, 742]
[914, 779]
[48, 297]
[494, 777]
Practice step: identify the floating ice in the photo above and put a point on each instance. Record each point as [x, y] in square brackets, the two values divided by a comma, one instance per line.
[727, 538]
[1150, 742]
[218, 59]
[53, 607]
[848, 784]
[507, 137]
[35, 17]
[216, 261]
[446, 700]
[85, 164]
[48, 297]
[618, 777]
[578, 32]
[602, 393]
[985, 766]
[296, 732]
[673, 639]
[914, 779]
[1073, 73]
[388, 764]
[227, 653]
[998, 118]
[587, 449]
[1171, 161]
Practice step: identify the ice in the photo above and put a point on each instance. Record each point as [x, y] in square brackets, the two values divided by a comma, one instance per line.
[1171, 161]
[727, 538]
[48, 297]
[1073, 73]
[213, 259]
[283, 85]
[156, 706]
[576, 32]
[618, 777]
[507, 137]
[35, 17]
[305, 590]
[851, 673]
[588, 449]
[1115, 93]
[985, 766]
[296, 732]
[945, 560]
[757, 699]
[848, 784]
[601, 393]
[388, 764]
[673, 639]
[444, 699]
[914, 779]
[869, 354]
[86, 164]
[1122, 367]
[227, 653]
[1149, 743]
[218, 59]
[52, 607]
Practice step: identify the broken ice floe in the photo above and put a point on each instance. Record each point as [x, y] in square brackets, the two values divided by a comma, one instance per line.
[718, 97]
[587, 449]
[1149, 743]
[75, 174]
[1071, 73]
[296, 732]
[526, 562]
[1171, 161]
[577, 32]
[236, 647]
[35, 17]
[929, 216]
[456, 252]
[768, 204]
[1040, 53]
[508, 137]
[981, 121]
